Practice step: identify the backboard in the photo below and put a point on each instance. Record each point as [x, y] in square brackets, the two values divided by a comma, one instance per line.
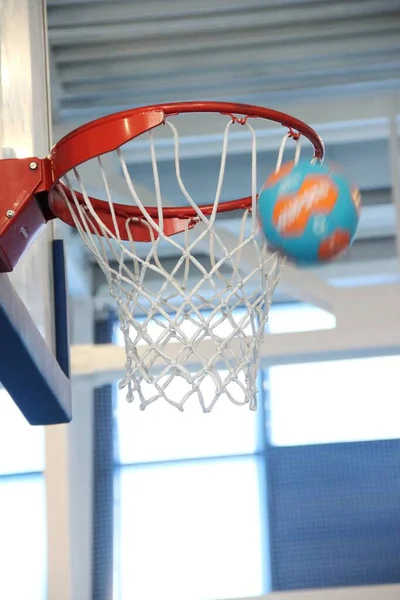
[33, 340]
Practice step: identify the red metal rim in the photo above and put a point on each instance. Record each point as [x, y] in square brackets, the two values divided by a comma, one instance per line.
[126, 211]
[109, 133]
[174, 216]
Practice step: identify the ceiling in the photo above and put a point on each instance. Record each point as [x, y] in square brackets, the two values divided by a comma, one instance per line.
[334, 64]
[109, 55]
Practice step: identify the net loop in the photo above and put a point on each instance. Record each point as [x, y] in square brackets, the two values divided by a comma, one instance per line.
[294, 134]
[238, 120]
[282, 148]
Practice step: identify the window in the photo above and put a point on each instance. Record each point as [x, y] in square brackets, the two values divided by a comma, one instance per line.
[194, 529]
[330, 402]
[333, 476]
[22, 506]
[163, 433]
[191, 507]
[21, 446]
[191, 501]
[336, 401]
[295, 317]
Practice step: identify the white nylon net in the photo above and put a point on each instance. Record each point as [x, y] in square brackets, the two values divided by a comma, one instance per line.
[199, 322]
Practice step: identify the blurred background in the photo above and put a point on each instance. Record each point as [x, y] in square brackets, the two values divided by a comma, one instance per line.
[304, 493]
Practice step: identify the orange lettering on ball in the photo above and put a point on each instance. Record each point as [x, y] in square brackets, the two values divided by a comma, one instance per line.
[334, 244]
[292, 212]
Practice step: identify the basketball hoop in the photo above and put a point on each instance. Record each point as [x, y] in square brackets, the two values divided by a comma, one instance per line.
[204, 330]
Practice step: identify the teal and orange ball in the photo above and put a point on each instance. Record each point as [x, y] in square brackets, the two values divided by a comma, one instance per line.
[309, 212]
